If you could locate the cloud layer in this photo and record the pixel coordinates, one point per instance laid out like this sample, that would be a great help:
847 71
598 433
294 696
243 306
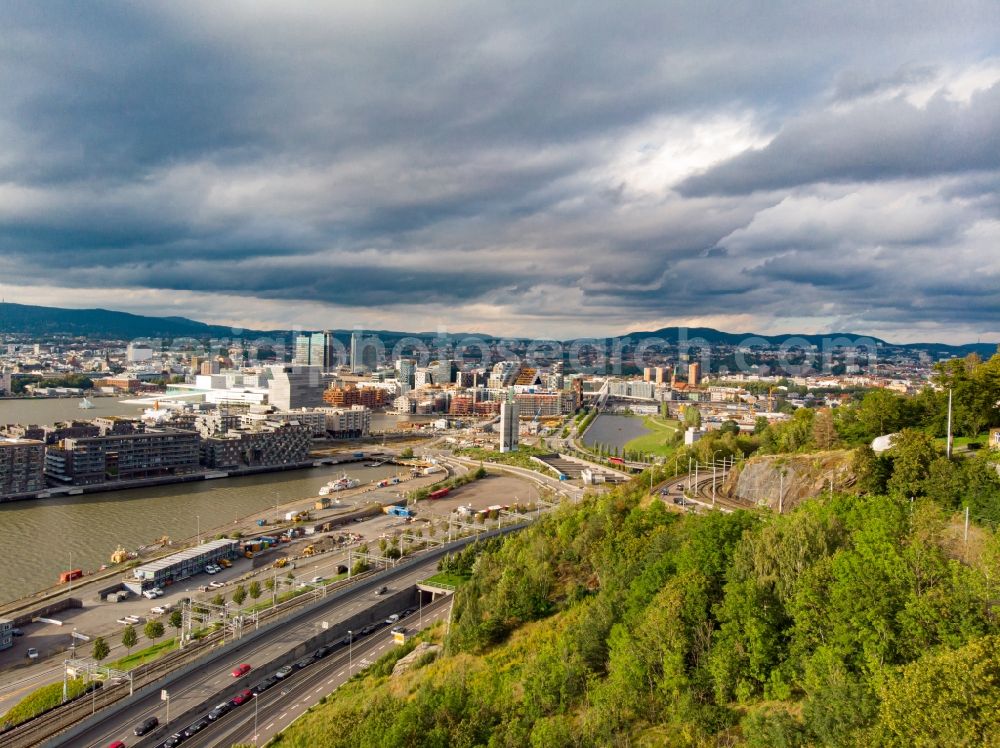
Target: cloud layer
507 167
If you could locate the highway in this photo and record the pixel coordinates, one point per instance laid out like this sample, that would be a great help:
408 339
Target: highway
200 686
282 704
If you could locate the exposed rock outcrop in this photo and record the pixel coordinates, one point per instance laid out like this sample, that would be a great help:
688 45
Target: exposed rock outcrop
405 663
789 479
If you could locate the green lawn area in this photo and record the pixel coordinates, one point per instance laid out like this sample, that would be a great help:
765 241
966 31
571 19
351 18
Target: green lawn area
142 656
660 439
963 442
447 578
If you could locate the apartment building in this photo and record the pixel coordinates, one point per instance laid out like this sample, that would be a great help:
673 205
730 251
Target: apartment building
123 456
22 463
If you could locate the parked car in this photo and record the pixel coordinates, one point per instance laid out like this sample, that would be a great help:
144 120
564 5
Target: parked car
241 697
32 653
226 562
123 621
240 670
147 725
392 619
219 710
149 594
284 672
305 662
322 652
215 584
16 632
210 570
135 619
159 610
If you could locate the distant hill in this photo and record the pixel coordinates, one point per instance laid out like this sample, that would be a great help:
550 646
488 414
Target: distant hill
27 319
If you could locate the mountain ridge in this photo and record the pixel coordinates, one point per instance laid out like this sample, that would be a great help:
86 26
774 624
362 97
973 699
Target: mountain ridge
31 319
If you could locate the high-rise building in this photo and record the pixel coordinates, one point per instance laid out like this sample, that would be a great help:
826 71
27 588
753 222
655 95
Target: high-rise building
406 368
694 373
357 366
137 352
509 414
6 382
661 374
647 374
316 349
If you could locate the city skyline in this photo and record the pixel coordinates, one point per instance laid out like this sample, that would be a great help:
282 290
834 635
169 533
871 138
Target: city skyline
517 171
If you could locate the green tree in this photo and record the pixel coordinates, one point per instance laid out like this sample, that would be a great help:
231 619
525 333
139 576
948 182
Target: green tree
407 453
218 599
729 427
947 697
824 434
254 590
176 620
912 454
871 470
129 638
879 412
153 630
692 416
239 594
101 649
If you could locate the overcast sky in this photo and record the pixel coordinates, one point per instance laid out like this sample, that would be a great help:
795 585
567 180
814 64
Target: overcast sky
541 169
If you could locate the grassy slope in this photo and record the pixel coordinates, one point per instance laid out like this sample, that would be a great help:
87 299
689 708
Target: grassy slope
612 623
660 440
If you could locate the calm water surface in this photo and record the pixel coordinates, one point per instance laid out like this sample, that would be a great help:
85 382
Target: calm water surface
47 536
614 430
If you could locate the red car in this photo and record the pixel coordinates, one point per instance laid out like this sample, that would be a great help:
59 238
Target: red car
240 670
241 697
117 744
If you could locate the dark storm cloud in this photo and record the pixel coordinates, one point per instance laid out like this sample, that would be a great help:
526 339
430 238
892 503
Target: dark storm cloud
883 140
648 161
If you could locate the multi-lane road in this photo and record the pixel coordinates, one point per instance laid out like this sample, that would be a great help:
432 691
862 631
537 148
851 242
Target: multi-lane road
203 684
264 716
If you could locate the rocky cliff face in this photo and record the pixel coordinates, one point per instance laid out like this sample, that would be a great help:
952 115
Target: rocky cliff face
787 480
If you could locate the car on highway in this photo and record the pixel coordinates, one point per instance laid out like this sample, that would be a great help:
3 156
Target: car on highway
398 630
381 590
32 653
174 740
392 619
195 727
219 710
116 744
241 698
305 662
318 580
284 672
265 684
240 670
147 725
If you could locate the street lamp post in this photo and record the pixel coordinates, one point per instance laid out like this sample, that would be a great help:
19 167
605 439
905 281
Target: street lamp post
255 719
198 520
713 474
350 653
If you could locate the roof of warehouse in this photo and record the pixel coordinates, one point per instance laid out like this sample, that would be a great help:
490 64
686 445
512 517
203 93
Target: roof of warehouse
174 558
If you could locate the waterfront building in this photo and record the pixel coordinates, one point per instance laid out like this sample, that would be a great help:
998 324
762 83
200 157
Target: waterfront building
181 565
6 633
347 423
294 387
270 444
122 454
22 467
509 426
